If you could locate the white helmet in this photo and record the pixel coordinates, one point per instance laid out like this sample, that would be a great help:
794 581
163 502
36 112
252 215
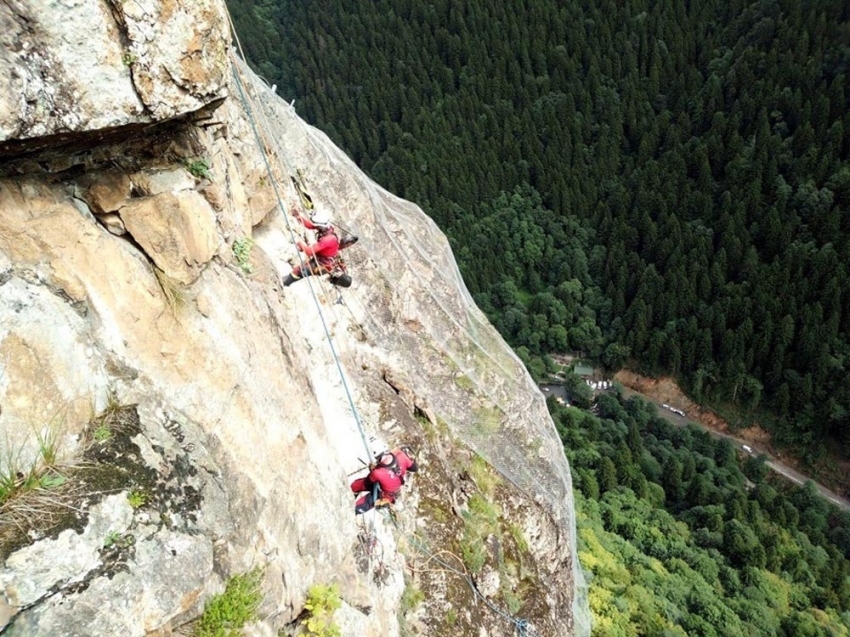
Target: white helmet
320 218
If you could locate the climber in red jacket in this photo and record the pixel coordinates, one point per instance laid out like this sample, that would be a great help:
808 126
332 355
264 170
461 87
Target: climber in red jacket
387 474
319 257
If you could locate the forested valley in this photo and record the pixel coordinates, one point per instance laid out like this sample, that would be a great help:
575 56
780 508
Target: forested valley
666 186
680 537
667 183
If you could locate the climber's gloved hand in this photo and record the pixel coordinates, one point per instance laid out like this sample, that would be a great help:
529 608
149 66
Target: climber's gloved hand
301 245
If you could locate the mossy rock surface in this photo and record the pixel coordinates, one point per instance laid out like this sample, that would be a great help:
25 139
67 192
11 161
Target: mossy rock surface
107 466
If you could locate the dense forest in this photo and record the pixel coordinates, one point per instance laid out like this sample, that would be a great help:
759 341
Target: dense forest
679 536
667 183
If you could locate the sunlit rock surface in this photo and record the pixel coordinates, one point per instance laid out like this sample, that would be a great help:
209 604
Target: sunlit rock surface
233 427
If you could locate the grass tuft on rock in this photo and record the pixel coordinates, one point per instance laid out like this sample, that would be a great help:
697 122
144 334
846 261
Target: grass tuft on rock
225 614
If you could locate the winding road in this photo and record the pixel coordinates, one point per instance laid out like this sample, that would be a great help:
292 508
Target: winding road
747 447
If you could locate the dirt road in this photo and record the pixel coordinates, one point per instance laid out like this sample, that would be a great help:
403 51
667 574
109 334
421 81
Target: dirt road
747 446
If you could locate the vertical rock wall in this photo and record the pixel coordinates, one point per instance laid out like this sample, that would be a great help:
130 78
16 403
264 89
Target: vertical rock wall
235 411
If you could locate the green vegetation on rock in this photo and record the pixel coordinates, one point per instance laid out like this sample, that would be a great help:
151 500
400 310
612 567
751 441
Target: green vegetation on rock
225 614
322 602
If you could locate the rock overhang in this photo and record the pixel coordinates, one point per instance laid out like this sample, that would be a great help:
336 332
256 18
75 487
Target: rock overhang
83 66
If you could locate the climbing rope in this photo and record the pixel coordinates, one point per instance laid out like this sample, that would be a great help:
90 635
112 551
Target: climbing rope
250 114
288 165
295 174
250 110
295 185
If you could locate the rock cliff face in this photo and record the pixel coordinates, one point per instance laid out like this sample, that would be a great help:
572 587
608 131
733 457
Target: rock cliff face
171 416
69 66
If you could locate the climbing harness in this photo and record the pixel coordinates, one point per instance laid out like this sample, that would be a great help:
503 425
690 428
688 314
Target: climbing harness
335 267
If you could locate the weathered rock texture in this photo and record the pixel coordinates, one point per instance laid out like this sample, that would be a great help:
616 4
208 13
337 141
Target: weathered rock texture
201 420
83 65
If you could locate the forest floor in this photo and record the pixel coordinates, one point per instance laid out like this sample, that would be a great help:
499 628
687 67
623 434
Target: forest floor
832 473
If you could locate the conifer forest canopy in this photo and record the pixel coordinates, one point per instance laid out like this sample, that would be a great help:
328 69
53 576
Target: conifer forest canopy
664 184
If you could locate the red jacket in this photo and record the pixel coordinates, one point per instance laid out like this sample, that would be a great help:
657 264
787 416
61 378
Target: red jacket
405 462
327 243
388 480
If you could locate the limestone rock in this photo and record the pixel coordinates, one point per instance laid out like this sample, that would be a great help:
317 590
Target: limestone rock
6 612
154 182
107 192
56 66
488 582
176 230
177 52
129 571
113 223
33 572
134 602
65 68
214 194
261 203
43 344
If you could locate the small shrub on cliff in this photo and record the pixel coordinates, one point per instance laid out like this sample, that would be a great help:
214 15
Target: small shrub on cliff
48 442
175 297
102 433
483 476
322 602
18 476
199 168
137 498
225 614
103 425
479 521
111 539
12 479
242 252
518 535
411 597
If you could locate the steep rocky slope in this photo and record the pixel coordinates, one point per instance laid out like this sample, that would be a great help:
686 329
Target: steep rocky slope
171 416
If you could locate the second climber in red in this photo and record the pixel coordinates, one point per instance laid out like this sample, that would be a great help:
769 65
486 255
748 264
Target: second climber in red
386 476
320 257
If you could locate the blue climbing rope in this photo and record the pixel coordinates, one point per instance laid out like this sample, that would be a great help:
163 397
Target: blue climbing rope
273 181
